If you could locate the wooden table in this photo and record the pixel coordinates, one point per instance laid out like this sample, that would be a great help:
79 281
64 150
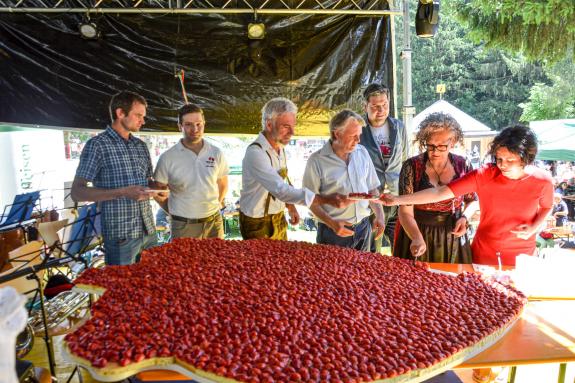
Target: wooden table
545 333
560 232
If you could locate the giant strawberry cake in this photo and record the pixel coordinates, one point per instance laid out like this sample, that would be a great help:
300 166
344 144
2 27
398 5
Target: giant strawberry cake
275 311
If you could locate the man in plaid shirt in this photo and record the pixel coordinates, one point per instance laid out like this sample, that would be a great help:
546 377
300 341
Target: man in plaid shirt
118 166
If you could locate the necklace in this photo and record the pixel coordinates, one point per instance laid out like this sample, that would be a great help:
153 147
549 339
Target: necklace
438 174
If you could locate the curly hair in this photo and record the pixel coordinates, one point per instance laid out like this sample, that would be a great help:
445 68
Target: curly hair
436 122
518 139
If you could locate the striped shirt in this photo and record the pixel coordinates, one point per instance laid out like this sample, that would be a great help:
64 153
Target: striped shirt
110 162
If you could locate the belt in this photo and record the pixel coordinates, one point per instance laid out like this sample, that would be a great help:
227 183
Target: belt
353 226
196 220
360 222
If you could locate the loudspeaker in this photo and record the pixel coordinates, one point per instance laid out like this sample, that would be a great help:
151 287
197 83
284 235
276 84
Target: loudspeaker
427 18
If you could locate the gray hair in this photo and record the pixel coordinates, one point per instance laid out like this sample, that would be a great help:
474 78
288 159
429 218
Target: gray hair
275 107
338 121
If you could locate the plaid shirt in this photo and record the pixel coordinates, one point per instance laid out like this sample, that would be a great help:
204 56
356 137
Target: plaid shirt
110 162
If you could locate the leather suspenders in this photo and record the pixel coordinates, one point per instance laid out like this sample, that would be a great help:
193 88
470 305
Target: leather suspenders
283 173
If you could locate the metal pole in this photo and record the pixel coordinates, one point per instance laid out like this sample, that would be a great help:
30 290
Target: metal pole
408 109
393 64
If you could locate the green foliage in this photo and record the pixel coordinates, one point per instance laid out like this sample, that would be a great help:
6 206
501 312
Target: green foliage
486 84
539 29
555 101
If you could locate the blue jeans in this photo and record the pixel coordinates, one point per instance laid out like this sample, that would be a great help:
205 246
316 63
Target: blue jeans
127 251
360 240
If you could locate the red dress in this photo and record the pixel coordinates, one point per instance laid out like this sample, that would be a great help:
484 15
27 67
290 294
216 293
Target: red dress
504 204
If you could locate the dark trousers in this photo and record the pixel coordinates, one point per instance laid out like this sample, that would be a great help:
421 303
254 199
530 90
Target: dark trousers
360 240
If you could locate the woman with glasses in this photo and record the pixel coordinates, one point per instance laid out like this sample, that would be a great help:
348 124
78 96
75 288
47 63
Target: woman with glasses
435 232
514 197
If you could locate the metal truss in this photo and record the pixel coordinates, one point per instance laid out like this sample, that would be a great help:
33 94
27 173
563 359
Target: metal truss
374 8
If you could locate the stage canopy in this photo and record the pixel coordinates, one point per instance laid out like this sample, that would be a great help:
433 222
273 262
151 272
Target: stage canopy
51 76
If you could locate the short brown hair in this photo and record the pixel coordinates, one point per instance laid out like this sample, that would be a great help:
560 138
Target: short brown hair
187 109
124 100
375 89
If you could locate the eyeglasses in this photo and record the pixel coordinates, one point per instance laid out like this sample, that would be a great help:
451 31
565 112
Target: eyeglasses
433 148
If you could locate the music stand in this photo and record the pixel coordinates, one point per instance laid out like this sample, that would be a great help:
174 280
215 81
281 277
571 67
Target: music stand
82 231
20 211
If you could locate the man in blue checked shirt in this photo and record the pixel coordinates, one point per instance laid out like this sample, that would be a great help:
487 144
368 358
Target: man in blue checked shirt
118 166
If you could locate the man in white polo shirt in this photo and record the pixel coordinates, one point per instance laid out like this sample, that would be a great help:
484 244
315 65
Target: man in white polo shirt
342 166
196 173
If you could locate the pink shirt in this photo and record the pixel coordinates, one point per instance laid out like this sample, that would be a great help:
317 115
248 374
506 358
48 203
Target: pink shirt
504 204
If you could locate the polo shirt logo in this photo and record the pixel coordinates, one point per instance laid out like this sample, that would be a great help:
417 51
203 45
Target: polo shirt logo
210 162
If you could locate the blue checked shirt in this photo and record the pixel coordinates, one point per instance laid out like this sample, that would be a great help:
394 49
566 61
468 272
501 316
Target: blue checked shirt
110 162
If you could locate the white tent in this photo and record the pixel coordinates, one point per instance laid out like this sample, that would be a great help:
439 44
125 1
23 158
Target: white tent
556 139
470 126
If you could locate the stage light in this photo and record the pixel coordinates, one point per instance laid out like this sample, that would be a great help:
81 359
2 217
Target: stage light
427 18
89 30
256 31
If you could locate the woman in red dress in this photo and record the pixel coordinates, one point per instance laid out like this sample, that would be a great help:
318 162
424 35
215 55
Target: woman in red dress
514 198
435 232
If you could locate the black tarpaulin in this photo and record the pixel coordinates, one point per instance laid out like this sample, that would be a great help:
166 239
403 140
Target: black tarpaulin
51 76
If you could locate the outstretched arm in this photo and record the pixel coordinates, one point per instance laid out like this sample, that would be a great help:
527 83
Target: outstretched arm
436 194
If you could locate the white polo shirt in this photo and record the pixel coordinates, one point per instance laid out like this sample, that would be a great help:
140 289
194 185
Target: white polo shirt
326 173
192 179
260 176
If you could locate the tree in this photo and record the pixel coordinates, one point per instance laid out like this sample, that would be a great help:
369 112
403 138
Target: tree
555 101
486 84
539 29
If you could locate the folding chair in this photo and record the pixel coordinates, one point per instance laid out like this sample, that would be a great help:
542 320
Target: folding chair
25 256
49 231
20 211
